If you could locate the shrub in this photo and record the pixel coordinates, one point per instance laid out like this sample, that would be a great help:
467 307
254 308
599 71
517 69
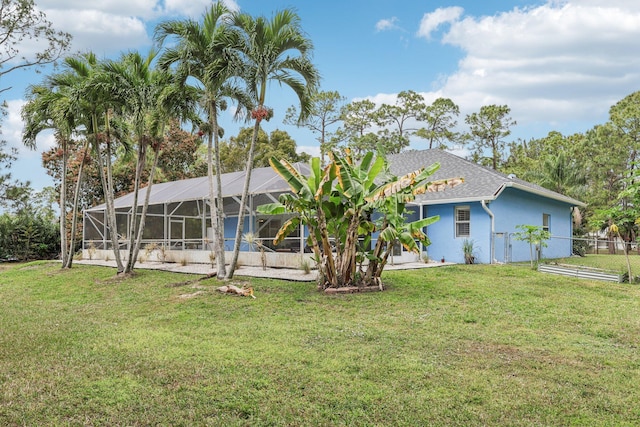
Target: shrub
305 265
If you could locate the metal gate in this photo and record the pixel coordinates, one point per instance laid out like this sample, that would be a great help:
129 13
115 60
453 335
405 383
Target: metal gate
501 253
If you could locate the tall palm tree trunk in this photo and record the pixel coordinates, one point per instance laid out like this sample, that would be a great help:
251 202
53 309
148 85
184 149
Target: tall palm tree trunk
134 223
215 194
143 215
219 205
111 216
65 252
243 201
213 212
107 185
76 201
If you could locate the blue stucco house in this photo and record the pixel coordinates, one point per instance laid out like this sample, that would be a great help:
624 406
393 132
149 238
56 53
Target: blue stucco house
485 209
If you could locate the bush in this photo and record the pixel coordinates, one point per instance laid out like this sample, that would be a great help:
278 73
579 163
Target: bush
28 237
580 247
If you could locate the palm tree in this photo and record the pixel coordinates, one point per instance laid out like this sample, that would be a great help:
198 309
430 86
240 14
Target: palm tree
199 55
560 174
148 101
269 50
97 99
54 104
50 108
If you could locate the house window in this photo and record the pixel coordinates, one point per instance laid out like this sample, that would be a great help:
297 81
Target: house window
546 222
463 221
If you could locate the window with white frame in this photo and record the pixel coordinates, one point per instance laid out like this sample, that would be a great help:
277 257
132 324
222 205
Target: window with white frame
546 222
463 221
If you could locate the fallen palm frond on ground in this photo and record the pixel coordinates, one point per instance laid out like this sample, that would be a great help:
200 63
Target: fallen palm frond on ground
234 290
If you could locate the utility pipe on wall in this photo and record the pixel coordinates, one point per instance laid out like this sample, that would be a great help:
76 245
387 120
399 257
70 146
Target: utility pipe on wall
491 237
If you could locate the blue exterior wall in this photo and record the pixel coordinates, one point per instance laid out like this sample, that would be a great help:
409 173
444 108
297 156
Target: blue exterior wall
513 207
442 234
230 225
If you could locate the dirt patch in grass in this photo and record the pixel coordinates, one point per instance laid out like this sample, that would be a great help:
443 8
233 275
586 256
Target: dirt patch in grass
191 295
516 356
113 280
179 284
352 290
32 267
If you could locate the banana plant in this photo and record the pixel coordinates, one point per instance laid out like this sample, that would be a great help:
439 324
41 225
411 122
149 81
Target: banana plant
337 203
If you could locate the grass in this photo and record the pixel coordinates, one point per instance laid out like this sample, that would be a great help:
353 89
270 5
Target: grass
457 345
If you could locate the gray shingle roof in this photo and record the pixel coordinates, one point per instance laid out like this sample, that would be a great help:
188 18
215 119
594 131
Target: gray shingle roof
481 183
263 180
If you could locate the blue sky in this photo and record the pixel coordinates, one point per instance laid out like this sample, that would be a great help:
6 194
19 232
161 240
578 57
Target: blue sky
559 65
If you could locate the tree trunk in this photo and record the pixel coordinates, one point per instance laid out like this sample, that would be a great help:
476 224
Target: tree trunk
243 201
65 252
346 271
383 263
215 194
212 203
372 268
76 201
133 223
143 214
612 245
330 277
107 185
627 248
531 253
495 154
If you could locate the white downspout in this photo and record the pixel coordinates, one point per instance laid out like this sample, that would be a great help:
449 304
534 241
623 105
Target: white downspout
493 223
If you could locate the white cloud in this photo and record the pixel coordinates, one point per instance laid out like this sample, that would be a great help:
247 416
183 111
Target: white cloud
101 32
111 26
12 124
313 150
630 5
380 98
391 98
139 8
193 8
387 24
26 167
12 127
431 21
142 9
559 61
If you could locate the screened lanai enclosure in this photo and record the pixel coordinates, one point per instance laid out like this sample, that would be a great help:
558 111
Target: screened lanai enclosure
178 221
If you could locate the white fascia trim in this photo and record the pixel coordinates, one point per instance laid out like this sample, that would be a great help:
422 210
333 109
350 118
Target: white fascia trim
454 201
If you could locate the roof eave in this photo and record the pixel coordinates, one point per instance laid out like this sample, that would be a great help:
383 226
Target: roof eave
548 194
457 200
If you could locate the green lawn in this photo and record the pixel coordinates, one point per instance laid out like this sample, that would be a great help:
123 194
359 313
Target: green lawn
457 345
